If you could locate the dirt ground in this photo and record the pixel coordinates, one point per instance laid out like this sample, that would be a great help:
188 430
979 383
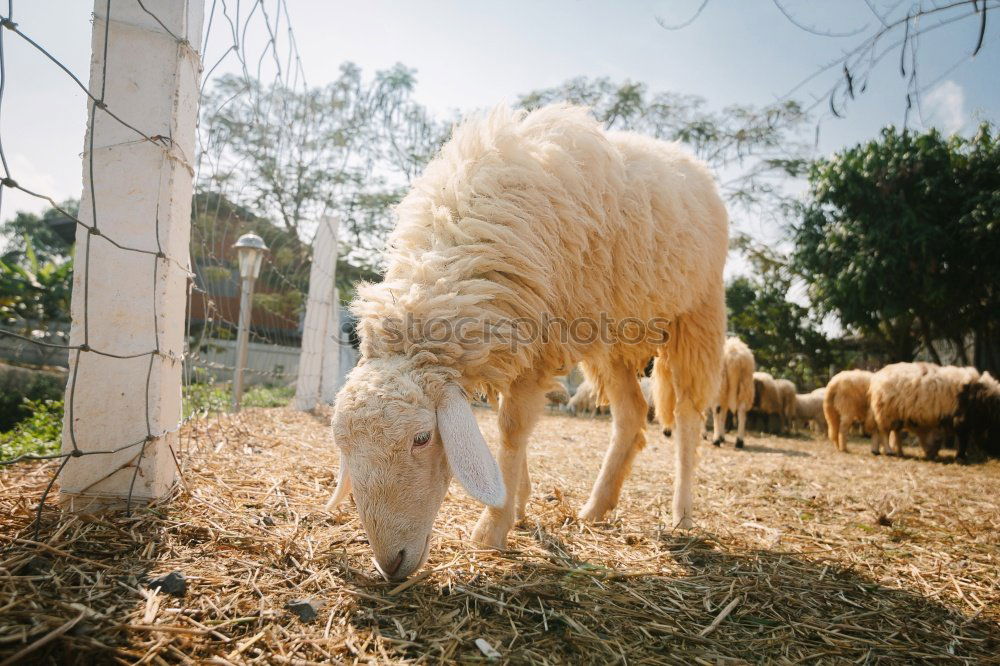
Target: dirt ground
800 554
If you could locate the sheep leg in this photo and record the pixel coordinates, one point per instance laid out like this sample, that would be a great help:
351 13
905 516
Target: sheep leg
523 491
930 442
663 394
877 438
518 412
895 445
741 425
718 425
628 415
696 359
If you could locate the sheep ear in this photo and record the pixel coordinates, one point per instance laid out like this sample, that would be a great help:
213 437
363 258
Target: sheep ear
468 455
343 486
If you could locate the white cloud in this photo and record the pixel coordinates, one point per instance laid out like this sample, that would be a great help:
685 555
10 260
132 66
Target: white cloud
944 107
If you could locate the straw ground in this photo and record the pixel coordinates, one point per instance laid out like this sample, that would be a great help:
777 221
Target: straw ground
801 554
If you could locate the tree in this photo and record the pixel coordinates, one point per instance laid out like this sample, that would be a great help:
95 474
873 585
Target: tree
900 239
785 338
28 228
755 144
293 155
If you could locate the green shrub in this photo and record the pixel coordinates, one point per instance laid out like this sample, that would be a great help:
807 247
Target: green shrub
20 384
40 433
205 399
268 396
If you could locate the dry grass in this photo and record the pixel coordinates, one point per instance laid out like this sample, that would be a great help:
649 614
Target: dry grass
801 554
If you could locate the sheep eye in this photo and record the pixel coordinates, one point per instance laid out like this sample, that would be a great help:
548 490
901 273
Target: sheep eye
421 438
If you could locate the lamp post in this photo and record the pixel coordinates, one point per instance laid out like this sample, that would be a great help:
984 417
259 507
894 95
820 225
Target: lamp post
250 249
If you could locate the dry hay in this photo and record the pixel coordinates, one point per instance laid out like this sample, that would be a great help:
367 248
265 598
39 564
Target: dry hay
801 553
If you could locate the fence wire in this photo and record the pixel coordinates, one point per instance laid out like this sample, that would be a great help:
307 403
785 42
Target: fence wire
233 32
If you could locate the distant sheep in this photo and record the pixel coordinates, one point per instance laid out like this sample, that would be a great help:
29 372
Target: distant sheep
786 396
766 399
846 403
529 217
978 421
584 400
646 384
557 395
809 409
919 397
736 392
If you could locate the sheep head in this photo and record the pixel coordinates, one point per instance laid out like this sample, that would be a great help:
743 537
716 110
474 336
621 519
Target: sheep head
403 431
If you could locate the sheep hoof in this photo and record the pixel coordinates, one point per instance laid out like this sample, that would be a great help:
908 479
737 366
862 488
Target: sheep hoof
666 432
591 513
489 535
739 442
876 452
717 441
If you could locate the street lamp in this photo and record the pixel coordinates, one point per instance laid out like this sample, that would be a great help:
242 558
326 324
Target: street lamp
250 249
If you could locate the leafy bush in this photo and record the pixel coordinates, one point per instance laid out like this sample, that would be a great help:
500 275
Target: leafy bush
205 399
268 396
20 387
40 433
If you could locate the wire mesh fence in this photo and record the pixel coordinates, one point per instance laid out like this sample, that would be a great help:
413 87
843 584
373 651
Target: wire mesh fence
185 287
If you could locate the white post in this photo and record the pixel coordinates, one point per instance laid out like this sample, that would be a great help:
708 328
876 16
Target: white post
329 384
136 193
319 316
242 339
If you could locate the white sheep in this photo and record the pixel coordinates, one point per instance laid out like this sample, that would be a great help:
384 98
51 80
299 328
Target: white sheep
557 394
786 398
646 384
736 391
766 399
919 397
809 409
846 403
584 400
523 229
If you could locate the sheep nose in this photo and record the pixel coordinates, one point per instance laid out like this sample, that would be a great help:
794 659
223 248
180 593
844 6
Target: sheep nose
389 569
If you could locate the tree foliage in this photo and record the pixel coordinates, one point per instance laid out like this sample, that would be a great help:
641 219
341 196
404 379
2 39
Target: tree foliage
36 276
786 339
755 146
900 239
295 155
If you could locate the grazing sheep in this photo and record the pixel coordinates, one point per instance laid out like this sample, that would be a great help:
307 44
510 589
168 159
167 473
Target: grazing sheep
786 396
646 384
522 221
766 399
584 400
557 395
919 397
736 392
809 409
846 403
977 423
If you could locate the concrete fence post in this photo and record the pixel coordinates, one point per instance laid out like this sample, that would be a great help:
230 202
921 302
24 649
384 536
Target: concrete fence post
137 193
329 384
320 320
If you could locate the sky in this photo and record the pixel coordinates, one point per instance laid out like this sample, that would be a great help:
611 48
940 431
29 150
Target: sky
476 54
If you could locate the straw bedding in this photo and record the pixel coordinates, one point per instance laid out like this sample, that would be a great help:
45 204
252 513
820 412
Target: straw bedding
800 554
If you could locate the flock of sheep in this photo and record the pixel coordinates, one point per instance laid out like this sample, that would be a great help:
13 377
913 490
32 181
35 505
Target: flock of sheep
527 218
940 406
